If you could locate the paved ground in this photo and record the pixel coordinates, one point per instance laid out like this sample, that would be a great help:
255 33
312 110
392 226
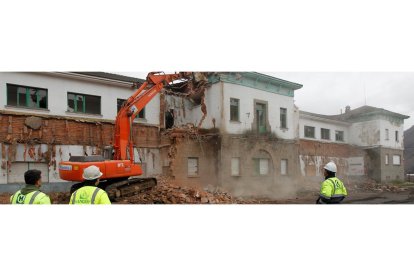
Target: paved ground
356 196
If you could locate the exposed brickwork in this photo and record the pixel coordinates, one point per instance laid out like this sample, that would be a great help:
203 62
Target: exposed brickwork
314 155
249 183
307 147
207 153
70 132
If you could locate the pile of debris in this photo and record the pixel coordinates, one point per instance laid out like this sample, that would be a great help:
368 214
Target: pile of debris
182 131
374 186
165 193
5 198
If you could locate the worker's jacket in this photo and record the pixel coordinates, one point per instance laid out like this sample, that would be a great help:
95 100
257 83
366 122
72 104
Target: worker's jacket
29 195
332 190
89 195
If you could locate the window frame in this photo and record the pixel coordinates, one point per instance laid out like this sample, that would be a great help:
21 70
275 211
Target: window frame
387 159
231 166
197 174
309 127
399 159
387 134
329 134
76 95
257 167
238 110
138 117
397 138
286 167
261 106
336 135
27 96
283 118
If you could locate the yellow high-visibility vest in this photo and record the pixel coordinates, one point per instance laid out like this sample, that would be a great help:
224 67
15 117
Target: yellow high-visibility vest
333 187
89 195
35 197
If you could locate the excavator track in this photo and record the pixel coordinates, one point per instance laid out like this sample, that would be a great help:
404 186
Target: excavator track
128 187
123 187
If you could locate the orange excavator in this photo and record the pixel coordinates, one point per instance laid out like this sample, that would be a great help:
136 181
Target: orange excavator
120 171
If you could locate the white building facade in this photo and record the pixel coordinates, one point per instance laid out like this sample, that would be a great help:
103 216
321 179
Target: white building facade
92 97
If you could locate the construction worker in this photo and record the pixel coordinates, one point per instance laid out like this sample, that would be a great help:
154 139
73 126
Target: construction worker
332 190
31 194
89 193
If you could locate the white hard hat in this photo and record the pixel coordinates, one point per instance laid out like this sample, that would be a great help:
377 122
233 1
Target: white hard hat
91 173
330 167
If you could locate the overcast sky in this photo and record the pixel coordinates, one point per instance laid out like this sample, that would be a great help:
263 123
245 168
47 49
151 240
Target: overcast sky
328 93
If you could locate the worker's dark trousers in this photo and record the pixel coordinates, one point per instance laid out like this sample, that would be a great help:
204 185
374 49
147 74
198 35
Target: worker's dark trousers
333 200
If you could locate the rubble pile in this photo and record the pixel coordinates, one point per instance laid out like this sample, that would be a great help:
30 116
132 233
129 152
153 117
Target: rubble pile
374 186
181 131
59 198
165 193
5 198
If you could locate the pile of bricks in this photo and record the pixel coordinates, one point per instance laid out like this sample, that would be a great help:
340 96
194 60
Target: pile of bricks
374 186
165 193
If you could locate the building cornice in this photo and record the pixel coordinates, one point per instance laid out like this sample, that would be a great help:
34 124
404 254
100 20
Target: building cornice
91 78
257 81
322 119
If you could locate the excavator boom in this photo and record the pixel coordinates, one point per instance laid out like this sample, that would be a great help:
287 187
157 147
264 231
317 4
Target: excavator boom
118 171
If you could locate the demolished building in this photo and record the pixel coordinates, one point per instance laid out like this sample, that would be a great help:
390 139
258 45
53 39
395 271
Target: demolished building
233 131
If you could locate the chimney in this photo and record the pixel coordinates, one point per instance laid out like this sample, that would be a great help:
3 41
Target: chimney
347 109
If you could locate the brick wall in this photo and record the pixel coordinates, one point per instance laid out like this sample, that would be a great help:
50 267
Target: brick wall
61 131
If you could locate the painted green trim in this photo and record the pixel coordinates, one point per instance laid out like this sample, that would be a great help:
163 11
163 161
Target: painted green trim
257 81
75 101
83 104
37 98
27 97
376 116
17 100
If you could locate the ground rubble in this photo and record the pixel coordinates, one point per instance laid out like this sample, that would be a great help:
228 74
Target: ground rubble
372 185
166 193
163 193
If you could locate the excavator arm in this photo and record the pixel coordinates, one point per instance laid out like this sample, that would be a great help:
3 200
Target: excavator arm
120 174
123 140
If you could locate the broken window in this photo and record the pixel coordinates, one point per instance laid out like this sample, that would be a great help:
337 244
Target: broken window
387 134
309 132
84 103
397 139
24 96
261 166
396 160
339 135
283 117
283 166
386 159
234 110
120 102
192 166
235 166
325 134
169 118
